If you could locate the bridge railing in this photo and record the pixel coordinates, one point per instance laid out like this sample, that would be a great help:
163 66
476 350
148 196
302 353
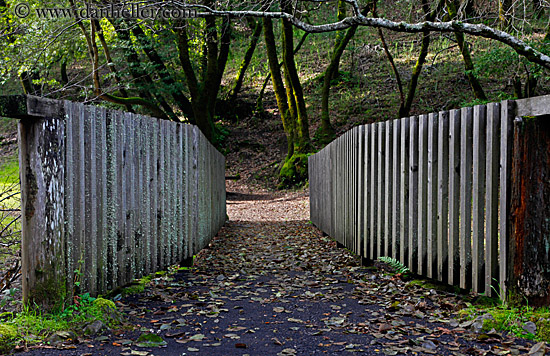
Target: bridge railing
109 196
432 191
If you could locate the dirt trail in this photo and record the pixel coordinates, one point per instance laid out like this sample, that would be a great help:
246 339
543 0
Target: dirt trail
271 284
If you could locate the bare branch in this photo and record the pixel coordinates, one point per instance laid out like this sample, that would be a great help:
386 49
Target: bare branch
479 30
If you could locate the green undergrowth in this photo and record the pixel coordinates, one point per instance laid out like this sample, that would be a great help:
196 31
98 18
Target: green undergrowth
490 313
522 321
32 326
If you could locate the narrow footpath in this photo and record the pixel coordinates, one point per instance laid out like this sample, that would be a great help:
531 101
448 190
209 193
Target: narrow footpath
271 284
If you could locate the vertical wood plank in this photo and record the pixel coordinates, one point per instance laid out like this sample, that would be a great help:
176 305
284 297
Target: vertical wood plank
413 194
404 230
70 199
180 224
101 189
141 187
443 197
454 196
396 201
156 246
374 191
80 262
147 196
491 200
380 194
161 228
506 121
129 125
388 182
367 190
42 211
90 200
121 198
112 192
431 243
422 192
465 242
360 208
478 202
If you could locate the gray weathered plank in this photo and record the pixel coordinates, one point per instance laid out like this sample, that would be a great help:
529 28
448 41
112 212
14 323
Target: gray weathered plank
506 123
478 199
404 231
373 192
388 182
491 198
367 190
431 230
454 196
443 196
465 238
380 193
422 192
396 202
413 194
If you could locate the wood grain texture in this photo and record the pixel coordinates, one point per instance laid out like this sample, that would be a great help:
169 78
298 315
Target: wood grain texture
109 196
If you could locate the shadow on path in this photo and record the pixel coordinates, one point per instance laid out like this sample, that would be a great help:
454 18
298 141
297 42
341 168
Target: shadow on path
281 288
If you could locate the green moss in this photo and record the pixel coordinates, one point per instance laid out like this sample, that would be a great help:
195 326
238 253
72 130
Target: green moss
104 303
133 289
294 171
543 329
8 334
501 318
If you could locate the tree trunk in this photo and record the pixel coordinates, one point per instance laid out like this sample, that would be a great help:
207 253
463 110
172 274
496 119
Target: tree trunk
405 108
246 60
529 246
465 50
204 93
326 133
278 86
340 35
303 141
259 101
179 98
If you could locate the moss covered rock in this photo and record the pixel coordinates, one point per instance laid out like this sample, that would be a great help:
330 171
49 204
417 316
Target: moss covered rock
103 303
294 171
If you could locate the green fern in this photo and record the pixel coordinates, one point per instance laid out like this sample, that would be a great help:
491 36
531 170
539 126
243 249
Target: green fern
397 266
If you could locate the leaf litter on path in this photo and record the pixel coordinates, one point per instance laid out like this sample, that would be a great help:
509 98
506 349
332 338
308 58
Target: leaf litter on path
271 284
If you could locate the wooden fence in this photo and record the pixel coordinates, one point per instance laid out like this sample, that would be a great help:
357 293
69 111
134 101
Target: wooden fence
432 191
109 196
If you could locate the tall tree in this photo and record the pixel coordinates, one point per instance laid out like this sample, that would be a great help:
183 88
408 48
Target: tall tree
466 56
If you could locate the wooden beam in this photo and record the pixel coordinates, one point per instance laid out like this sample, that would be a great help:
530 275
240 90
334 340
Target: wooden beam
29 106
536 106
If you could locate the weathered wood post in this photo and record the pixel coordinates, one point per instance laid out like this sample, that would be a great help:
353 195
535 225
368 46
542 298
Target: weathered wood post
529 220
41 162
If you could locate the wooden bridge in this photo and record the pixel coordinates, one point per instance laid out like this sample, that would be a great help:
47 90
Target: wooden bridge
462 196
109 196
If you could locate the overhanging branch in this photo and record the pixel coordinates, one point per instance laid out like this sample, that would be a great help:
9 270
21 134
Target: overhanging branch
480 30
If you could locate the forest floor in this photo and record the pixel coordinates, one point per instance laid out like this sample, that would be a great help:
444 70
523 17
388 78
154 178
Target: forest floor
271 284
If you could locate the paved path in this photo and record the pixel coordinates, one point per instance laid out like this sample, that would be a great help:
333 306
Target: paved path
271 284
